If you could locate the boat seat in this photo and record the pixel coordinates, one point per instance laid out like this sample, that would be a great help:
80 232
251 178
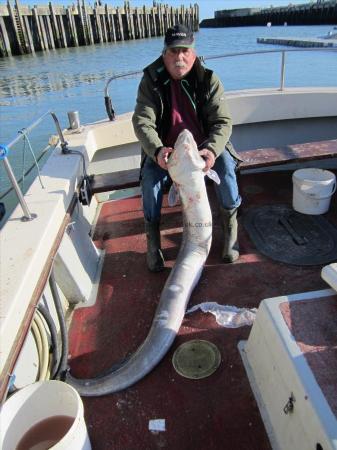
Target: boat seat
274 156
252 159
122 179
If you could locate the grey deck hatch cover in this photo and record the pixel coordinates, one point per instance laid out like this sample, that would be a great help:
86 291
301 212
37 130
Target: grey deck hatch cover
288 236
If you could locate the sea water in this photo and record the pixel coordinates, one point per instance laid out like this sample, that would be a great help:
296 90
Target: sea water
73 79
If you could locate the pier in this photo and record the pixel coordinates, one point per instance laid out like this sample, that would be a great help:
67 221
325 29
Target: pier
298 42
42 28
322 12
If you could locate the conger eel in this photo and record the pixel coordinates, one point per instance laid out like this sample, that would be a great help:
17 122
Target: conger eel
185 167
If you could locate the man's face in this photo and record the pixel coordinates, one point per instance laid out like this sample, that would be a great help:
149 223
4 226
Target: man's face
179 61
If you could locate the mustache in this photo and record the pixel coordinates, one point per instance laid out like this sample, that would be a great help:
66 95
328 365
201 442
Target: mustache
180 64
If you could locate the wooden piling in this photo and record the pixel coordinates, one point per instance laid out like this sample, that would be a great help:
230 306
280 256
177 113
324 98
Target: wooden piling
138 23
103 25
177 19
88 23
50 33
28 35
195 13
160 20
43 32
129 31
112 28
146 23
153 22
133 25
55 28
5 44
182 15
72 28
107 24
120 24
99 37
138 28
171 22
38 30
62 31
83 28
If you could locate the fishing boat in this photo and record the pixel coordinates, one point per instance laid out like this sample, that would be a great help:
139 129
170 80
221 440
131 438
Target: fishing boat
253 363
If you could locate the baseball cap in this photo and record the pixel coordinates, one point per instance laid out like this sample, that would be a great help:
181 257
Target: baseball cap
179 36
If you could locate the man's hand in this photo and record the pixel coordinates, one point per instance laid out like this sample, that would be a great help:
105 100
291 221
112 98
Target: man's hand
163 155
209 158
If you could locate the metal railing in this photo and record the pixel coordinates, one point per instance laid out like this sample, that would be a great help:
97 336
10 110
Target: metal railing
108 103
4 149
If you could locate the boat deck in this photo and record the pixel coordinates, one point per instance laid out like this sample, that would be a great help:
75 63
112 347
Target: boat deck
216 412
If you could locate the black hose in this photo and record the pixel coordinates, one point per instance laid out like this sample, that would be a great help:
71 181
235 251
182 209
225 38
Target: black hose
109 109
53 335
2 210
63 365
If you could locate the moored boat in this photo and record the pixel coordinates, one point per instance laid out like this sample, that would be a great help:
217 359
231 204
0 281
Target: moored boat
92 257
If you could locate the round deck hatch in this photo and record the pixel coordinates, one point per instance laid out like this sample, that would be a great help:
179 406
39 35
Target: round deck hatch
196 359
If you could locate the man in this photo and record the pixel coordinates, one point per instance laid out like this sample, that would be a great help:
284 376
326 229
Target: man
177 92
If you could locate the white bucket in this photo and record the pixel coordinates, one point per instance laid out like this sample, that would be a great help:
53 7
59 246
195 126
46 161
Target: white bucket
312 190
38 402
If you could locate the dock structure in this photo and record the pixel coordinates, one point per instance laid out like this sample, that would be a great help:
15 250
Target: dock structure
42 28
298 42
314 13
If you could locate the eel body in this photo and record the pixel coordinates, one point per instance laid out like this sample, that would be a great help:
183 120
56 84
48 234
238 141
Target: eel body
185 167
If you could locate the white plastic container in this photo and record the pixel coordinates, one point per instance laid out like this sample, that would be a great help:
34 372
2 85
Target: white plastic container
312 190
40 401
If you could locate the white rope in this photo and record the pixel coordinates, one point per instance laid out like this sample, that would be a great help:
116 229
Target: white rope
26 139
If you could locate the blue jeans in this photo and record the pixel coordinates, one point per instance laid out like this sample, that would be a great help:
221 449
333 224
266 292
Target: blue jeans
154 179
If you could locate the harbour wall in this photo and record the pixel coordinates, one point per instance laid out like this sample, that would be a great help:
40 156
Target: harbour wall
318 13
42 28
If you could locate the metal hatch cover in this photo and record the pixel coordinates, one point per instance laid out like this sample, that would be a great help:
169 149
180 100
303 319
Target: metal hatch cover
196 359
288 236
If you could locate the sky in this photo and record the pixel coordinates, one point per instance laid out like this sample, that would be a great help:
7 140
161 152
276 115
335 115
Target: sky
206 7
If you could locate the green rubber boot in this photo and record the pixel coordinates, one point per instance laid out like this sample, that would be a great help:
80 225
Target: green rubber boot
154 256
230 252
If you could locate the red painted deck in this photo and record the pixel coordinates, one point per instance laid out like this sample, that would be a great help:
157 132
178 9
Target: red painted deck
218 412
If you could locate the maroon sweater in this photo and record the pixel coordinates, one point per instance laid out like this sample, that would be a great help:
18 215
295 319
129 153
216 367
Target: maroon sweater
183 115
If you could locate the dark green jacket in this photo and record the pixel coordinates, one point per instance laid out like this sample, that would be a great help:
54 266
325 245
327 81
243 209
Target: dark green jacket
152 115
